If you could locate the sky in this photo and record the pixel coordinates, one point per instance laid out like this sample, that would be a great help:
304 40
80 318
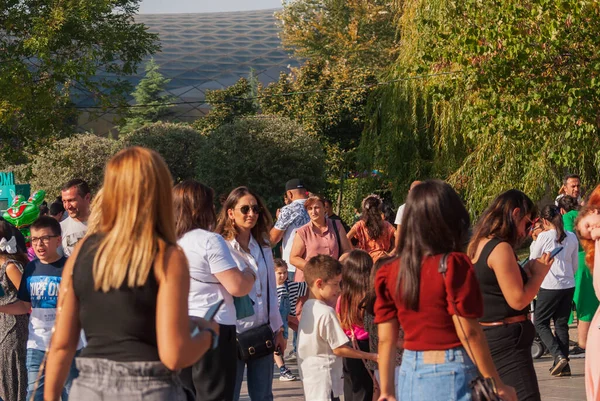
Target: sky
204 6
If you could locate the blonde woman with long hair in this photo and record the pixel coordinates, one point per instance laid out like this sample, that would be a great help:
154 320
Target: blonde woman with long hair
126 286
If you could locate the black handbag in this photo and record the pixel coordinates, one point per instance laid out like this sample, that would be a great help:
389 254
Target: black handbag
258 341
482 389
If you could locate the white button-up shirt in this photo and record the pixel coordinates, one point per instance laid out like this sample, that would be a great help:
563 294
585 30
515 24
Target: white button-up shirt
264 268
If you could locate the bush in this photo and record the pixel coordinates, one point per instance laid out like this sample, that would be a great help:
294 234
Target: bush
80 156
178 144
261 153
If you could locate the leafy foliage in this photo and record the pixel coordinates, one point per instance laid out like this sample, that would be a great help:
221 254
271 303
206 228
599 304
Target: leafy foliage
81 156
515 108
355 32
230 103
262 153
180 146
51 49
151 104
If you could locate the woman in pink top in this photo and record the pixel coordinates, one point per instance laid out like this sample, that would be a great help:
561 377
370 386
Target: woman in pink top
318 237
374 234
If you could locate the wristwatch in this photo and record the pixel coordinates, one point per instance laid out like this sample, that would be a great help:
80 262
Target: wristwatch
214 338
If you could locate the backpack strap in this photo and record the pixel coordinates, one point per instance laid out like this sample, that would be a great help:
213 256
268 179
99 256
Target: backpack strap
337 237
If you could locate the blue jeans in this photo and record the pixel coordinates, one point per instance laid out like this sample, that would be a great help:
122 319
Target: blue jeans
260 378
426 378
33 362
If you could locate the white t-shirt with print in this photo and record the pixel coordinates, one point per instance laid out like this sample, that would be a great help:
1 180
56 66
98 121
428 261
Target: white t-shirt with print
72 232
319 333
399 215
207 254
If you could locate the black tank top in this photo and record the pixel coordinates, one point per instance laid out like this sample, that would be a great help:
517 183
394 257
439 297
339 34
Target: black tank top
495 307
120 325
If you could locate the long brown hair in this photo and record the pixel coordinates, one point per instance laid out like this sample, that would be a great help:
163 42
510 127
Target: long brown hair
372 207
497 220
225 225
193 203
136 218
435 222
355 278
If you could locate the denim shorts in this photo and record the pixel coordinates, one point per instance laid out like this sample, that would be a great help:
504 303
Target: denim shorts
102 379
443 377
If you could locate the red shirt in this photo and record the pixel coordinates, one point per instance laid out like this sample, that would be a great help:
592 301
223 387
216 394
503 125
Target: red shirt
431 326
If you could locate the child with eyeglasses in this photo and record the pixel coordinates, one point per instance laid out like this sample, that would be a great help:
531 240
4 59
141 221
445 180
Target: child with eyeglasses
38 293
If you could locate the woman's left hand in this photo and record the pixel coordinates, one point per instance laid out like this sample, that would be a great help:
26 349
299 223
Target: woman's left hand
279 341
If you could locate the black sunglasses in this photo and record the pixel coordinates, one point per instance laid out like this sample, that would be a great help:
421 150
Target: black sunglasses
246 209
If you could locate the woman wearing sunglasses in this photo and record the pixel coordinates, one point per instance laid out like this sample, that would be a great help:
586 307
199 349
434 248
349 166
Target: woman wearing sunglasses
244 222
508 289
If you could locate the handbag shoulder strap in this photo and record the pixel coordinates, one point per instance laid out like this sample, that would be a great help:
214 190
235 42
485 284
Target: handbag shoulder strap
442 268
262 252
337 237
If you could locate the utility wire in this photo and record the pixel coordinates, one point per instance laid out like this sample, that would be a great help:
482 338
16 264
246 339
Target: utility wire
274 95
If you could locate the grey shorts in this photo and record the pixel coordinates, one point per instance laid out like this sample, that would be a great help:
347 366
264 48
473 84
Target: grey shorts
102 379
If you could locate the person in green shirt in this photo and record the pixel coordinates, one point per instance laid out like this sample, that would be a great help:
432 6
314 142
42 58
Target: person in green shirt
585 299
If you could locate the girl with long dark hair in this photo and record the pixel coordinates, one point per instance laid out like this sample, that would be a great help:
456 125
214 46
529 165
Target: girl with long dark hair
214 277
507 289
438 312
374 234
244 222
358 385
556 292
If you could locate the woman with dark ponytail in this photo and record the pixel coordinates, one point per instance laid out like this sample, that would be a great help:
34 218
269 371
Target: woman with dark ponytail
556 292
375 235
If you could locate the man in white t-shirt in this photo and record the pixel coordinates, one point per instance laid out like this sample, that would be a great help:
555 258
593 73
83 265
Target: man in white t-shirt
398 220
291 218
76 199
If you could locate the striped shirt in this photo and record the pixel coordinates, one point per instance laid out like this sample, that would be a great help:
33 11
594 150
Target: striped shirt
294 290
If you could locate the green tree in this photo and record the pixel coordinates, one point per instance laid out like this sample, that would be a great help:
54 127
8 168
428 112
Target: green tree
52 50
230 103
510 98
262 152
180 146
355 32
151 103
80 156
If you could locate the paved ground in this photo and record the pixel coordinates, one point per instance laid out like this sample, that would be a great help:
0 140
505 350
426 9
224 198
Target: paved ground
552 388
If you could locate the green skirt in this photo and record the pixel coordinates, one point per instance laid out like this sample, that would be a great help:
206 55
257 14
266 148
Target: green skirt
584 297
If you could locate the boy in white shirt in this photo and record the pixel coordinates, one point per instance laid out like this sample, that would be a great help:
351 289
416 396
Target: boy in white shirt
321 340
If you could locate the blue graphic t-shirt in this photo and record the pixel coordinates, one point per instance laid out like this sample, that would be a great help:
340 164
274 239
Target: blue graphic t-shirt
39 286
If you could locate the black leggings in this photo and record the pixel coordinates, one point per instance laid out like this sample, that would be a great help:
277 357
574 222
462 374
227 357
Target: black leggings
510 346
358 385
212 378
